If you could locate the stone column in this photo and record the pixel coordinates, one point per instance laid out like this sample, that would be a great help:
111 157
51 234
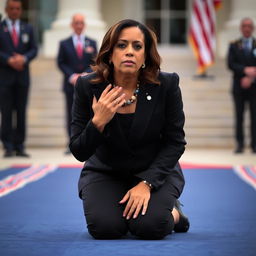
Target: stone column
2 8
239 9
61 29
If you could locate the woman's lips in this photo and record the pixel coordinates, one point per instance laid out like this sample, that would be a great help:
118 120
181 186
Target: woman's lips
128 63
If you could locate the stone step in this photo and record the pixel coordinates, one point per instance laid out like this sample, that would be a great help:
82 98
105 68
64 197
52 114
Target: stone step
51 142
207 104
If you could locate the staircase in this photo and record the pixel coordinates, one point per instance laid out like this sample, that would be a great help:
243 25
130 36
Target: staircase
207 103
46 114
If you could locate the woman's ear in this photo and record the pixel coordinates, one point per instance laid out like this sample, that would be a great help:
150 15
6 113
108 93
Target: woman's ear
110 59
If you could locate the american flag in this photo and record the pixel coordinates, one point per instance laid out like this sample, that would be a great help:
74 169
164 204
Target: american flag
202 32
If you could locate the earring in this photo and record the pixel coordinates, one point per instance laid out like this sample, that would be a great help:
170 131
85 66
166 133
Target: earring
143 65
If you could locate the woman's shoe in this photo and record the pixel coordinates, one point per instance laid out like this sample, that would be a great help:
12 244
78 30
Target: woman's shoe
183 224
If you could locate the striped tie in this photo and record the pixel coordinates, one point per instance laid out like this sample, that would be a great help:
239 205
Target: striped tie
79 48
15 38
246 46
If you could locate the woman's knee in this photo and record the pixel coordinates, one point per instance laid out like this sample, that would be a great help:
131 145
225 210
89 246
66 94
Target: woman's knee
106 229
149 227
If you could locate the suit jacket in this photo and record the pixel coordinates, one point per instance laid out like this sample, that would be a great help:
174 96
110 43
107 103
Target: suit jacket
154 146
238 59
69 63
27 47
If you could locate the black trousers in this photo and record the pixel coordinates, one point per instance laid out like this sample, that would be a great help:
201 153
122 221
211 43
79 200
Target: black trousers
69 102
240 101
14 100
103 212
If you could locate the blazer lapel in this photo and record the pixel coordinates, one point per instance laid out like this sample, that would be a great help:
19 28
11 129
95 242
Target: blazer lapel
146 102
7 32
71 46
254 46
23 36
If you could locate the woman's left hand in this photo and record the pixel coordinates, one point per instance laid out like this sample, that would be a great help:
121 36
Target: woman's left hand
137 200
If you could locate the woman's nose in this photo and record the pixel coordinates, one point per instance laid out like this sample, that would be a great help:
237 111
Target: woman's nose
129 51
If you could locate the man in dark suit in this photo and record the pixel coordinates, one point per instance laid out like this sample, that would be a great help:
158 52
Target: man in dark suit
76 54
242 62
17 49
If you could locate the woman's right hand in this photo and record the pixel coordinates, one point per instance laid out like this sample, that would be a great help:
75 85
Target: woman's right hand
105 108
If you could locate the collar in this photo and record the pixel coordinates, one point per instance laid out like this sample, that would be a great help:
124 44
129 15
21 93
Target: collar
75 38
10 24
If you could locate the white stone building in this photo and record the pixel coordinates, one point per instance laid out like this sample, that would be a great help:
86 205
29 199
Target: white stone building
170 18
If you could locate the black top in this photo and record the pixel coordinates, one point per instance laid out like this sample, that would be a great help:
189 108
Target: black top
125 121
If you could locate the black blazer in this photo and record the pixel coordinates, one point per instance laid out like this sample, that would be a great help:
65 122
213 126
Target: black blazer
238 60
69 63
27 47
156 140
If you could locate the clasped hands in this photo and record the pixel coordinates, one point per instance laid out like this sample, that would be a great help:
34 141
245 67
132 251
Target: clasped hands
247 80
17 61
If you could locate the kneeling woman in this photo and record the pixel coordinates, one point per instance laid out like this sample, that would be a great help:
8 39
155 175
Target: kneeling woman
128 126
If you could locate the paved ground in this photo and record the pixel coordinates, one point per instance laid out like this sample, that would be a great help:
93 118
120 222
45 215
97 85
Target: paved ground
198 156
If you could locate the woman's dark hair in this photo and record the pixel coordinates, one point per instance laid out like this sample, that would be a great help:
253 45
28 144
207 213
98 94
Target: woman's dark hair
103 67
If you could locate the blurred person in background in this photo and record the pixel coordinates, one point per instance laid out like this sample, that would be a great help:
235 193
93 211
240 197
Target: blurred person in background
76 54
242 62
17 49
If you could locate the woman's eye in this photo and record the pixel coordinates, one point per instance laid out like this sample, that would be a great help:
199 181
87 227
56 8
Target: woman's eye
121 45
137 47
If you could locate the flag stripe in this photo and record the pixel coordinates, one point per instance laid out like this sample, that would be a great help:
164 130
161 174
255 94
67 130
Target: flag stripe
196 47
202 32
247 174
17 181
205 28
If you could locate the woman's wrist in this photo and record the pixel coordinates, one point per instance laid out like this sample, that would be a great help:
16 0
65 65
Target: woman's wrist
148 184
97 124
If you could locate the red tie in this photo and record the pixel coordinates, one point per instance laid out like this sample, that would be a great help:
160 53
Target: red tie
15 38
79 48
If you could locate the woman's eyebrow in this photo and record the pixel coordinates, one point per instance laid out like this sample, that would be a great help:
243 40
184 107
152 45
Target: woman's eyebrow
126 41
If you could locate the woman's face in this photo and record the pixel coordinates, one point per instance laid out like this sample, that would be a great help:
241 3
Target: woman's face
129 51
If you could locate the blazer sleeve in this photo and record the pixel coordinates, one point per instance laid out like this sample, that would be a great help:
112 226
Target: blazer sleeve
93 56
4 57
85 137
173 138
233 62
61 61
32 51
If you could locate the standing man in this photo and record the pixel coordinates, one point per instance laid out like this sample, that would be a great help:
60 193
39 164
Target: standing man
76 54
17 49
242 62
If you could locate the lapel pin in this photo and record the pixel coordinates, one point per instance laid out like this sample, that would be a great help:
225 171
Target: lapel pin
149 97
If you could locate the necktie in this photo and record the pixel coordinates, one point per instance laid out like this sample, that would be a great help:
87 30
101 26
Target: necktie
15 38
79 48
247 47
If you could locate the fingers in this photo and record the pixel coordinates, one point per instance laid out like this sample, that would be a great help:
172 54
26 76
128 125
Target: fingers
133 208
111 95
145 207
107 89
94 101
137 210
125 198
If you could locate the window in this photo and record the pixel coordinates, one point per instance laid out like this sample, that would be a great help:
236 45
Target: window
168 18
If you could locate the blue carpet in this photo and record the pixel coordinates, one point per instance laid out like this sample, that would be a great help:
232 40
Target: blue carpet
46 218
